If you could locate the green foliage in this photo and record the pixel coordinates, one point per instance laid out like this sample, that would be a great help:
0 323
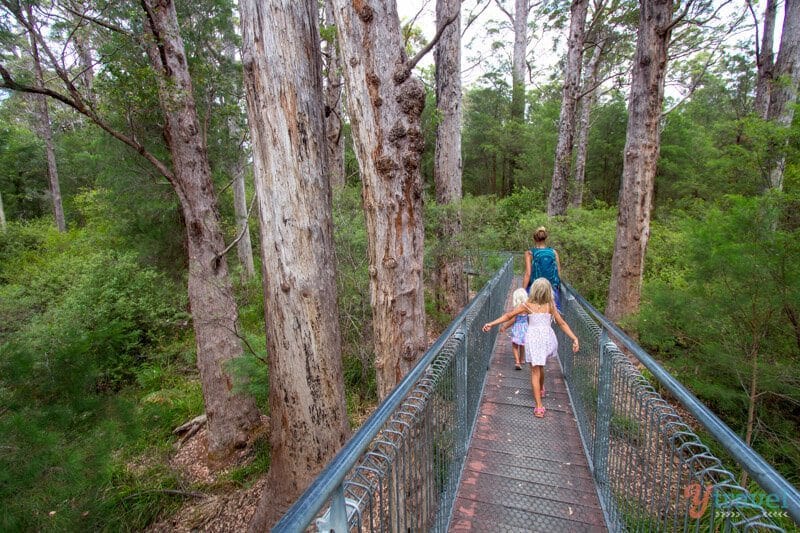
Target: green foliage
725 308
83 325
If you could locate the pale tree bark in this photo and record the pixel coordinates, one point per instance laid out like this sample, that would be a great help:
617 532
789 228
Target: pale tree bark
765 60
333 107
2 215
46 133
384 102
451 286
519 69
231 416
559 189
83 47
244 246
283 82
238 166
642 146
587 102
519 66
783 90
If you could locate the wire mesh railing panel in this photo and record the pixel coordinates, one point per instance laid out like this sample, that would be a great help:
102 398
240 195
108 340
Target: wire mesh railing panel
400 471
652 471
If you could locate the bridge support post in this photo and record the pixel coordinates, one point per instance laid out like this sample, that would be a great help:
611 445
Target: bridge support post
604 409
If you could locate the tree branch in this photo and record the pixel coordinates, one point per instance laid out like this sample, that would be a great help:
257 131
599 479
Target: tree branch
241 234
9 83
105 24
504 10
413 63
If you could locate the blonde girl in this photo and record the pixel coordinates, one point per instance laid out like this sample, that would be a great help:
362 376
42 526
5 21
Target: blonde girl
540 339
518 327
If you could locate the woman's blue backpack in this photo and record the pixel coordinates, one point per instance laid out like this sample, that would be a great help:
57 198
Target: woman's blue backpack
544 265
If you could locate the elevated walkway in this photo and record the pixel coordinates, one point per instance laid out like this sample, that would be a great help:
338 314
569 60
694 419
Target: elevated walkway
455 447
524 473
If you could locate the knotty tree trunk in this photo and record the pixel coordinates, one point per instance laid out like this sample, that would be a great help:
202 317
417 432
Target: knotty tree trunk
384 102
588 100
231 417
283 82
642 145
333 107
559 190
765 60
46 133
451 287
783 91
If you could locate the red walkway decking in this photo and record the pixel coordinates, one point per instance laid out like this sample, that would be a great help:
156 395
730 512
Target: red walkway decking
524 473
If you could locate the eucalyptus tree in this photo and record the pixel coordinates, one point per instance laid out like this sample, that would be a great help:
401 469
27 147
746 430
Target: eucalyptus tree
152 28
385 102
765 56
283 81
519 70
783 90
334 110
559 189
588 99
645 102
700 26
451 287
44 127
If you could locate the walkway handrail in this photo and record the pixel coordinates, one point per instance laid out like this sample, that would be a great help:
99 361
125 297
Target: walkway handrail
329 484
761 471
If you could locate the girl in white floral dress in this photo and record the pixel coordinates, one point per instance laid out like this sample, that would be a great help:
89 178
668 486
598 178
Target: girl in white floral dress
540 339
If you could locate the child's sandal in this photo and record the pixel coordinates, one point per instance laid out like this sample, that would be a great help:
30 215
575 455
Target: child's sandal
539 412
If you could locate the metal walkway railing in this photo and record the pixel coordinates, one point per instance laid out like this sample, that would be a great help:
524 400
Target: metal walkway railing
652 470
401 470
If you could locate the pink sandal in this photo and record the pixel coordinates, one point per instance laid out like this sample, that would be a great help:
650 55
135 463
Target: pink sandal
538 412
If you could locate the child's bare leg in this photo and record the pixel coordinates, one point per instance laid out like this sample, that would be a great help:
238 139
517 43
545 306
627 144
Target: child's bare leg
536 372
541 379
515 348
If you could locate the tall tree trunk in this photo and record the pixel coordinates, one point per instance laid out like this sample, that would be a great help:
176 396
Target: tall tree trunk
2 215
84 49
783 92
588 101
238 166
231 416
333 107
46 133
519 66
765 60
559 190
385 103
283 80
451 287
244 246
519 69
642 145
